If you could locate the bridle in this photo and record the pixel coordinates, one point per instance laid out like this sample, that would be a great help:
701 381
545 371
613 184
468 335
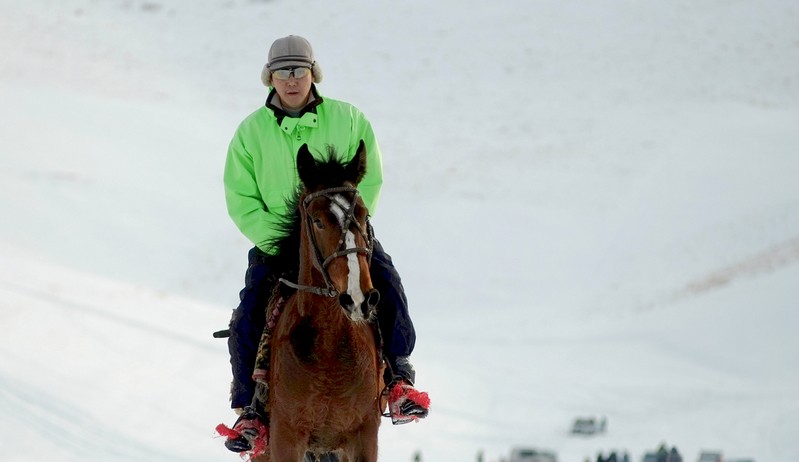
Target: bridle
321 263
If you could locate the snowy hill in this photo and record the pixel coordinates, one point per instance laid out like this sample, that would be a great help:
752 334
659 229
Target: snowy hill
594 208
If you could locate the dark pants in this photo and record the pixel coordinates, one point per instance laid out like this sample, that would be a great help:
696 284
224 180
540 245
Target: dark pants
249 319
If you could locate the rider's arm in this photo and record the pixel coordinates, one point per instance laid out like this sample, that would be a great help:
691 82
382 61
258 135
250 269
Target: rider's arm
373 180
244 202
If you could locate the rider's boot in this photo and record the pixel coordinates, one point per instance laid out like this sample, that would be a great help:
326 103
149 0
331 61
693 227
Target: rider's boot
405 403
250 433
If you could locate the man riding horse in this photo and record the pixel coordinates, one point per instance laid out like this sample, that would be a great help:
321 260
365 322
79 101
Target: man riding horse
260 175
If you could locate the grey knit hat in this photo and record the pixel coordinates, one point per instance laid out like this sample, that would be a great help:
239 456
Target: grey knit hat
291 51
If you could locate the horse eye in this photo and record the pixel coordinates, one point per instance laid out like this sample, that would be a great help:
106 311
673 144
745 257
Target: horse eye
318 223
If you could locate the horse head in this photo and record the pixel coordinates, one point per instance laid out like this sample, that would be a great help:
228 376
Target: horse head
336 234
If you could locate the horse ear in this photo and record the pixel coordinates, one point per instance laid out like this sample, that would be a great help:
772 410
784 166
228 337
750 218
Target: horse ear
356 169
306 166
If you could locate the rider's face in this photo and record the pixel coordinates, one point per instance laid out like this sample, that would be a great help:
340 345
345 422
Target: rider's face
293 92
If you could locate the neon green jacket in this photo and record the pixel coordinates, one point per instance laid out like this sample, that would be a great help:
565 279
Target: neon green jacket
261 167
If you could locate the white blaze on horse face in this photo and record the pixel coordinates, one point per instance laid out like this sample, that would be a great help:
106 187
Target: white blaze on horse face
339 207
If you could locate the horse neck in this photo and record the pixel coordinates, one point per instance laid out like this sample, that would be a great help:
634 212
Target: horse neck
309 275
323 311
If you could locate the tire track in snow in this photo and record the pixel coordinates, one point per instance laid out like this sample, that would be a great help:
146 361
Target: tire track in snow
779 256
63 303
767 261
65 427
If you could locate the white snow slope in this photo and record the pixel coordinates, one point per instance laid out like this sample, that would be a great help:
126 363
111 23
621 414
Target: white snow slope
594 207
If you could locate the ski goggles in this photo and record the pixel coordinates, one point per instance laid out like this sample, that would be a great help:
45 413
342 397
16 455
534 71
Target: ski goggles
296 72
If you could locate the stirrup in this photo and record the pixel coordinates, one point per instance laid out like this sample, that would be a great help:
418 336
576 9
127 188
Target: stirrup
405 403
249 435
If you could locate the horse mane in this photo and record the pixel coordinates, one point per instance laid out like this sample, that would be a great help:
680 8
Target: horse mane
284 257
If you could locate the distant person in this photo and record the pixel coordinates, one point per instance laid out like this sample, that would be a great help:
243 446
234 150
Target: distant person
662 453
674 455
260 176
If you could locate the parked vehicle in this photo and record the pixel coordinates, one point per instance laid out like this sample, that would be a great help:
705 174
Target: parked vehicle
710 456
532 455
650 457
589 426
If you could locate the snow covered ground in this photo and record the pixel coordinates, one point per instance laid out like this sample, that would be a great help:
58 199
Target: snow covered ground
594 207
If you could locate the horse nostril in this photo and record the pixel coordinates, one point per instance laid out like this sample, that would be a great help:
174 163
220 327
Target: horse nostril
346 301
373 298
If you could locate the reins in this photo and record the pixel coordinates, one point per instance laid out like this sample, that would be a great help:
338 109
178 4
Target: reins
321 263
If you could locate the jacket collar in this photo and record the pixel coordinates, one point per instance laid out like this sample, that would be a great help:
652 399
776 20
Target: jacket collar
281 114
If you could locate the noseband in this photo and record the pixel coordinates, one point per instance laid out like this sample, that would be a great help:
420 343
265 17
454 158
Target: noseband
321 263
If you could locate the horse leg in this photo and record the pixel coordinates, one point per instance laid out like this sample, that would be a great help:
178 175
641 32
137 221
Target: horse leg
363 445
284 444
369 439
286 453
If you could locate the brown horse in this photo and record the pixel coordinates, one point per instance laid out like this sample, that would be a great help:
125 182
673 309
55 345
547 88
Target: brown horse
326 371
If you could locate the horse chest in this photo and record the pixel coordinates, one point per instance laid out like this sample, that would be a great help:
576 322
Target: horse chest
323 370
315 344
